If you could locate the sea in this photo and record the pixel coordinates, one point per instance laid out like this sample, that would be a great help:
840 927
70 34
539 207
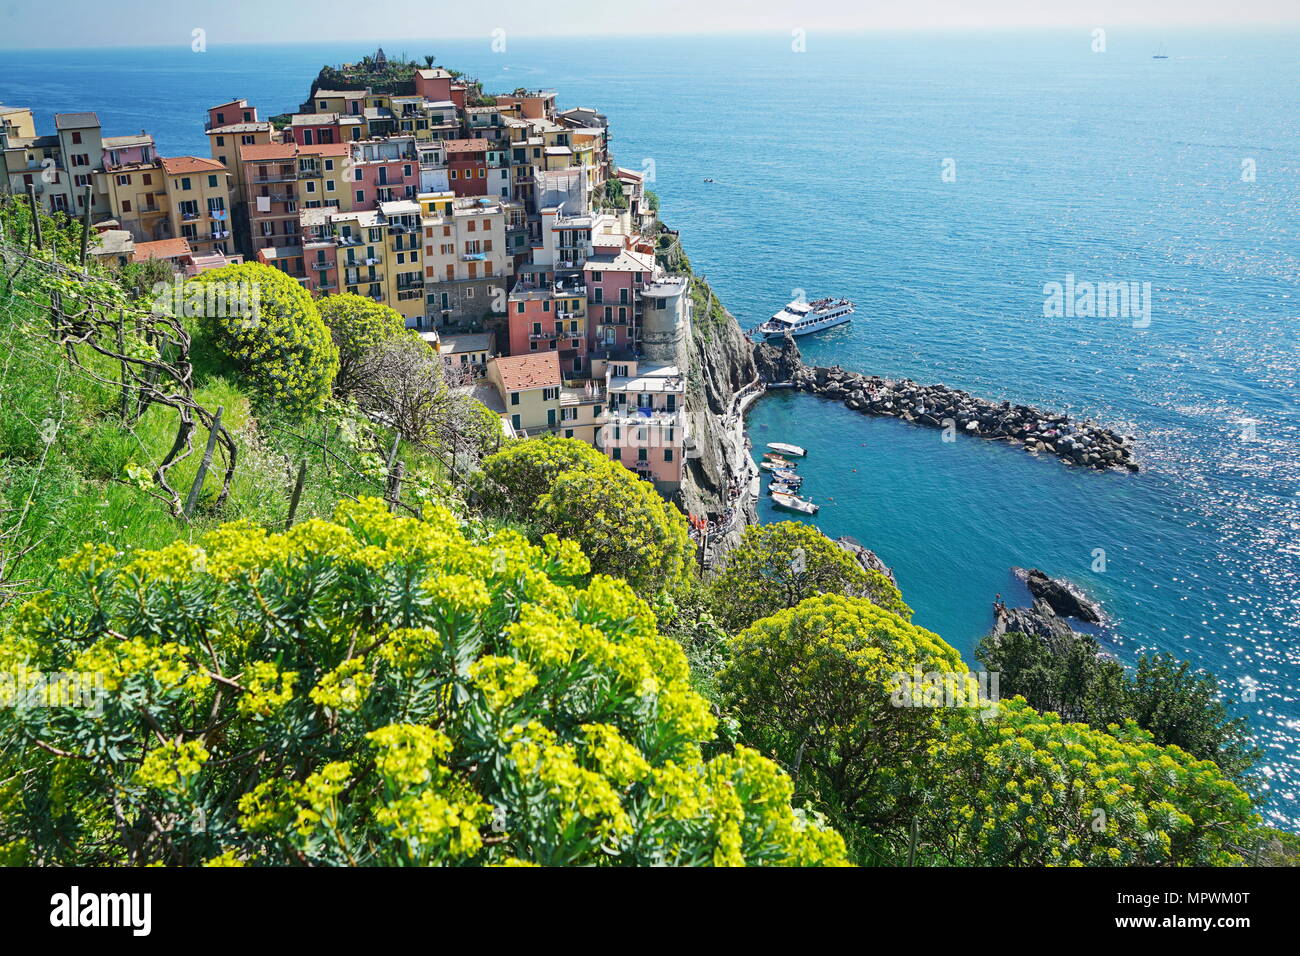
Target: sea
943 182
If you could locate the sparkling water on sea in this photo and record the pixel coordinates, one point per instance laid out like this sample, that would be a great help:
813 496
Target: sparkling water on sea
827 171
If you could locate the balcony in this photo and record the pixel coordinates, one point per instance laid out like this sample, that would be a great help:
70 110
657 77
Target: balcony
322 266
273 178
309 172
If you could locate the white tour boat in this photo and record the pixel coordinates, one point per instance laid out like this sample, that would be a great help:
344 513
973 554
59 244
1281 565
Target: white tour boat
794 503
782 448
800 318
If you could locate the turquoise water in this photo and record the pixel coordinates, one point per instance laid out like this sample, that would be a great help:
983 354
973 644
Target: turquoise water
827 169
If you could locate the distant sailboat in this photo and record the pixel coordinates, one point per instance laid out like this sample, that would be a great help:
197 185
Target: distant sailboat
1160 54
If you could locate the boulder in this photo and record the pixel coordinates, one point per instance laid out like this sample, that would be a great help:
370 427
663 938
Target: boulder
1061 596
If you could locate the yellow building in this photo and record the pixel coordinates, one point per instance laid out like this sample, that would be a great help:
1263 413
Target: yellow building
529 387
322 176
405 285
198 199
137 199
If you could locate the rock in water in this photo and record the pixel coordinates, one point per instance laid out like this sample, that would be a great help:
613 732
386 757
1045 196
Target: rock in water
1063 597
1040 621
869 560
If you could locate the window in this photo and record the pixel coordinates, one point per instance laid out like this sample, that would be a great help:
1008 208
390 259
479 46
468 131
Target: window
185 183
147 178
126 205
124 180
618 454
668 454
514 420
329 165
550 394
514 398
311 186
361 195
519 307
212 182
221 141
76 137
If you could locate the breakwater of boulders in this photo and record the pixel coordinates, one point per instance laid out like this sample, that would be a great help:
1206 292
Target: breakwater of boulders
940 406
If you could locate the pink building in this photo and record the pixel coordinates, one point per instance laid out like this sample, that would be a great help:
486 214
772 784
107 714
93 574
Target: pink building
614 281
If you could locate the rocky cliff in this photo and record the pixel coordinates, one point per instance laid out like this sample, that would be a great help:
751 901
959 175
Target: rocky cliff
721 377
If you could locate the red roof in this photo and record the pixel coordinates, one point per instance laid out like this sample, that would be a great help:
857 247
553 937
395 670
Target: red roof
261 152
162 249
465 145
180 165
325 149
521 372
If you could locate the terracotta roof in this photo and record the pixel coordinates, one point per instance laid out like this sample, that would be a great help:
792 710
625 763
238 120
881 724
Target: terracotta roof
521 372
325 149
465 145
180 165
261 152
162 249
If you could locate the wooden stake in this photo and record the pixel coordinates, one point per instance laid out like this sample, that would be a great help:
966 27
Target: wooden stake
297 494
192 501
85 228
36 214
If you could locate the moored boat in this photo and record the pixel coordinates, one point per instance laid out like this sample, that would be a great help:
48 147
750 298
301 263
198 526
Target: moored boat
794 503
782 448
801 318
777 466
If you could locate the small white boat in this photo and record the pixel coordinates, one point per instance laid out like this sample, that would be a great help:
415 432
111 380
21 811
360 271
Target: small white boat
786 466
794 503
782 448
783 488
801 318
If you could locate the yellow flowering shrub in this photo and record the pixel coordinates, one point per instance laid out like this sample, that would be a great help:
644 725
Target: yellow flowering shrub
374 690
281 347
816 687
572 489
1020 788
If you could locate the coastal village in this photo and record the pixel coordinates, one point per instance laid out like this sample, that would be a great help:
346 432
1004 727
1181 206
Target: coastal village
502 231
498 226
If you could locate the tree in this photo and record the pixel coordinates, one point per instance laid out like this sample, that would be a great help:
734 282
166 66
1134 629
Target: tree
371 690
826 689
571 489
778 565
268 327
1013 787
400 383
1164 696
1078 683
1182 707
357 325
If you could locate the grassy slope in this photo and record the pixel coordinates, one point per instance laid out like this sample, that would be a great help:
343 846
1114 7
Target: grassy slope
76 488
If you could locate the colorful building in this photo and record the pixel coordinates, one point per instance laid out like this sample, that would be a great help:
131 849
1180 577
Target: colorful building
529 387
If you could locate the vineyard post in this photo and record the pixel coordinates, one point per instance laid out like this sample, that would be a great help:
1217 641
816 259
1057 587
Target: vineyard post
296 496
192 501
36 214
85 227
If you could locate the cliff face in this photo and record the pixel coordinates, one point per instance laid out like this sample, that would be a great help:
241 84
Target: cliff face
721 376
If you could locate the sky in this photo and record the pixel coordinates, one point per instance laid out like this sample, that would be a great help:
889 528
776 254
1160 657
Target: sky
35 24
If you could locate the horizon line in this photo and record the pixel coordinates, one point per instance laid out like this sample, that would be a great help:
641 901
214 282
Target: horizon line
838 31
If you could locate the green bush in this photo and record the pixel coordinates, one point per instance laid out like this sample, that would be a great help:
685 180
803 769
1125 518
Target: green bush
1020 788
778 565
570 488
284 351
357 325
815 687
373 690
